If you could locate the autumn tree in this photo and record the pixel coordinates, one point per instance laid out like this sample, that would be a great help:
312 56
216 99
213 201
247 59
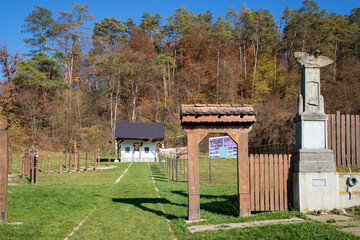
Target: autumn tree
73 29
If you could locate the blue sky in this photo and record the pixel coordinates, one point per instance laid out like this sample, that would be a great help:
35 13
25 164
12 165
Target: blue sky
14 11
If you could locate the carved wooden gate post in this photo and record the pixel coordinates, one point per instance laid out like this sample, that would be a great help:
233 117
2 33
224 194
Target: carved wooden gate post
197 121
194 137
243 171
4 168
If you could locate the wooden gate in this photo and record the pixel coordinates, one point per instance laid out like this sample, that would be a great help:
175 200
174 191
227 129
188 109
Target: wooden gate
270 181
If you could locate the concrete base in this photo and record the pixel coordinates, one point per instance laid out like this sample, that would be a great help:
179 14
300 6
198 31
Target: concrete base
313 160
116 160
315 191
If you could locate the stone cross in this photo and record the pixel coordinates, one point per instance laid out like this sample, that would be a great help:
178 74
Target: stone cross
310 99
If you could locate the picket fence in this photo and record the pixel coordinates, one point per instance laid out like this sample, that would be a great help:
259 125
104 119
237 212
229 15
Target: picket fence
344 138
270 182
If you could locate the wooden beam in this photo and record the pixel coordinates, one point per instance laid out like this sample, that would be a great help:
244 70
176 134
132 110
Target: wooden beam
4 169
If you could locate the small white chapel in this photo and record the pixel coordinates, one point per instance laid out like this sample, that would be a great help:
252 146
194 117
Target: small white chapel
138 141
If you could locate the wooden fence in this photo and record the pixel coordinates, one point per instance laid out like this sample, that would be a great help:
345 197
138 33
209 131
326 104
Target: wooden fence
344 138
270 179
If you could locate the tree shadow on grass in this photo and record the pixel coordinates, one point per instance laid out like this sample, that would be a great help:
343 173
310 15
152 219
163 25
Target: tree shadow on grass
138 202
160 179
218 204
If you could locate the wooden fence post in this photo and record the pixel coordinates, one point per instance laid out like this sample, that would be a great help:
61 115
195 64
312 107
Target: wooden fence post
338 139
65 160
42 162
23 165
74 159
343 161
49 163
60 162
78 163
70 161
347 131
95 159
109 157
36 164
271 176
86 159
32 166
4 170
353 137
99 157
27 162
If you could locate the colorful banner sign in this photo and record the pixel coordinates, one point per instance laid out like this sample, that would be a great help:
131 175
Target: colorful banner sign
222 147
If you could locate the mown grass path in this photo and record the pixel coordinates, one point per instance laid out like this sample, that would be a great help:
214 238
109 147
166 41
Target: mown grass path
131 210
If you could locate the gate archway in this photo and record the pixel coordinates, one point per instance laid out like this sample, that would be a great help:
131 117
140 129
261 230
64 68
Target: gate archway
197 120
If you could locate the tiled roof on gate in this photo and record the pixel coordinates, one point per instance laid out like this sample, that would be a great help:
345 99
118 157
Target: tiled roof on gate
216 109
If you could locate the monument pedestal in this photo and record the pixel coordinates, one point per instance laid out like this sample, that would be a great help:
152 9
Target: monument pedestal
313 160
315 181
313 191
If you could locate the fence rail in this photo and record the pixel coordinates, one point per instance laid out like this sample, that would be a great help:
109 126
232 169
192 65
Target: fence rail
344 138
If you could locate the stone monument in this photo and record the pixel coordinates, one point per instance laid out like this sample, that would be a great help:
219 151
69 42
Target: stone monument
314 173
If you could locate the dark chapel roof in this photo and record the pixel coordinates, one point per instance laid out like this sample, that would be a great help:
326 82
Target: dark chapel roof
131 130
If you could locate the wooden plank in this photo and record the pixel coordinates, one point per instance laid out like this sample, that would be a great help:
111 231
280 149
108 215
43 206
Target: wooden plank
286 175
276 181
338 139
281 182
357 140
348 143
343 161
48 171
328 127
266 176
60 162
252 182
256 182
271 177
353 137
333 137
262 190
290 183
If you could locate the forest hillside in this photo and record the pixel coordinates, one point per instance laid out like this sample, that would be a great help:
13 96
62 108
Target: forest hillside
76 81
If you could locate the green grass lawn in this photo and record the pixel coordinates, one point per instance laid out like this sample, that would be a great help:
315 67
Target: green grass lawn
218 205
51 209
131 208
